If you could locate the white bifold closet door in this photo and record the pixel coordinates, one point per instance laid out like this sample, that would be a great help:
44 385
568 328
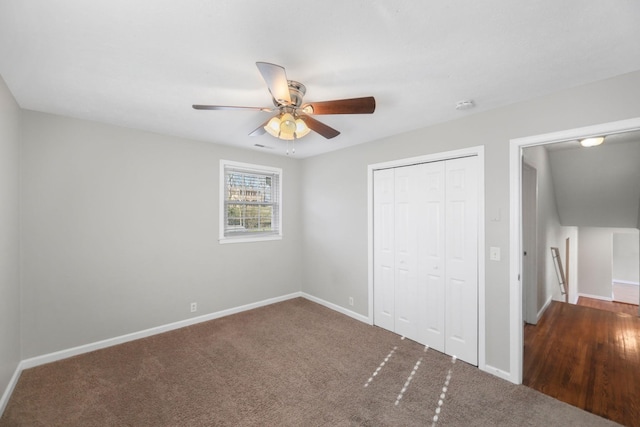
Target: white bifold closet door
425 254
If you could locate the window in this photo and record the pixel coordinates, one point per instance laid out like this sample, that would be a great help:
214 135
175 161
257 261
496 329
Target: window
250 202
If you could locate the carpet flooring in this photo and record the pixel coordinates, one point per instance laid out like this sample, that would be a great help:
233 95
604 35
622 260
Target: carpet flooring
294 363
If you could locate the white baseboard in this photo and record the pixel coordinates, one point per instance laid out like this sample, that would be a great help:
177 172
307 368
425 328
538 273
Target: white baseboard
543 309
500 373
336 307
9 390
580 294
63 354
625 282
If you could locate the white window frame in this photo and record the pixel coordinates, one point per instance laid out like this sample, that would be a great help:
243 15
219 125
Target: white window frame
248 237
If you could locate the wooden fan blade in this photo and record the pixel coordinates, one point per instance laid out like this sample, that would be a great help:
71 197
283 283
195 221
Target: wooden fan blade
230 107
319 127
366 105
260 130
276 79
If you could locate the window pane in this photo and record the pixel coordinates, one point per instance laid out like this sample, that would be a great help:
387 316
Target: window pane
251 200
243 217
249 187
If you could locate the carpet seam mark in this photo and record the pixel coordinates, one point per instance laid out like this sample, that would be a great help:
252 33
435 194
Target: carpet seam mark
443 394
379 368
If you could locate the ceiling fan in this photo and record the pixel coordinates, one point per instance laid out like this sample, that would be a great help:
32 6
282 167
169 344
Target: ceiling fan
293 119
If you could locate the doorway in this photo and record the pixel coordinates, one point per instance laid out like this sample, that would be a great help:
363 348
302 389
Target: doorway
516 260
558 347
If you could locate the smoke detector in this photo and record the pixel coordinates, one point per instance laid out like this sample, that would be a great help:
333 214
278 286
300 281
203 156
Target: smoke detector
465 104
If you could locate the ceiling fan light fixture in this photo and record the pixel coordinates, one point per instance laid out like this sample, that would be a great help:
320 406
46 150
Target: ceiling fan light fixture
287 127
287 123
301 128
273 127
287 136
592 142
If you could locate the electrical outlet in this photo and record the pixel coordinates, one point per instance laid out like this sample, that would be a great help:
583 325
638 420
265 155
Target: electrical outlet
194 307
351 301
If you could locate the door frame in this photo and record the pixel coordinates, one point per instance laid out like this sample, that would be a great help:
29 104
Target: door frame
477 151
516 146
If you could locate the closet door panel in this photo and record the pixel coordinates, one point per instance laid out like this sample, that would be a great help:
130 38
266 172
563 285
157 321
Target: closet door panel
384 249
432 246
408 189
461 294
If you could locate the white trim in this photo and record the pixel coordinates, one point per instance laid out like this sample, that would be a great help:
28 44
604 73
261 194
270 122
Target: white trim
580 294
427 158
477 151
247 239
10 387
249 167
515 177
610 128
370 170
543 309
63 354
498 372
625 282
336 307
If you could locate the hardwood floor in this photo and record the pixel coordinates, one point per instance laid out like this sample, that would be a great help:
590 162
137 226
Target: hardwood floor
588 358
616 307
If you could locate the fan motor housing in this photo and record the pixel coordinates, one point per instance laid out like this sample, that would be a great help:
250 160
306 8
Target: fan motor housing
296 91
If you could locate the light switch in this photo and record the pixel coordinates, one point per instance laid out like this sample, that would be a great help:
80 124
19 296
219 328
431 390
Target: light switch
494 253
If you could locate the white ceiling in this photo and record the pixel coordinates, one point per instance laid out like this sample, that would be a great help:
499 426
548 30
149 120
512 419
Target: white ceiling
143 63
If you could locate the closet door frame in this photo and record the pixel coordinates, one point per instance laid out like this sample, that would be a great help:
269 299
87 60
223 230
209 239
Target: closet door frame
478 152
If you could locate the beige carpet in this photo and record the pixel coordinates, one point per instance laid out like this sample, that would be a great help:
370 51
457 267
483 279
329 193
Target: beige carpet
289 364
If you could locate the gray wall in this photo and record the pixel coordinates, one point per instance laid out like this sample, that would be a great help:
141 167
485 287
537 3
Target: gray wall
626 253
550 232
595 260
120 226
9 237
120 233
598 187
335 197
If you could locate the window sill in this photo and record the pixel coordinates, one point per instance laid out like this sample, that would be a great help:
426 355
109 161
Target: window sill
247 239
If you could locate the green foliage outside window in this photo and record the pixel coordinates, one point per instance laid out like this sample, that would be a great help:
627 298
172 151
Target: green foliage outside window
250 217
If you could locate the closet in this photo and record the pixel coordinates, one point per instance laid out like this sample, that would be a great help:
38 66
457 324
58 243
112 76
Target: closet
425 228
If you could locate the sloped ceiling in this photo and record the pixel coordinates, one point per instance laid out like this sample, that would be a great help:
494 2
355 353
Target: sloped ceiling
143 63
598 186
